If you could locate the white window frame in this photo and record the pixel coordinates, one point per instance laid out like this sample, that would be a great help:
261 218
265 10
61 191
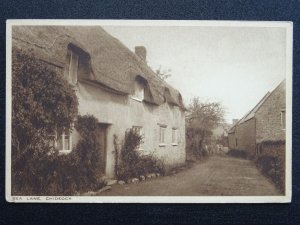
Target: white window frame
174 136
141 133
74 59
62 136
162 135
139 91
283 118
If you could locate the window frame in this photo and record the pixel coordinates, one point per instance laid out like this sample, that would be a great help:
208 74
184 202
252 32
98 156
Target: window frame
162 135
62 137
139 91
73 78
283 119
174 136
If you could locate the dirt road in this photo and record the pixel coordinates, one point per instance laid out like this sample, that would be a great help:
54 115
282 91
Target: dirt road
219 175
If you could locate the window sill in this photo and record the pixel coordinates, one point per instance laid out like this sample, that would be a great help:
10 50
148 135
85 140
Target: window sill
162 145
136 99
64 152
174 144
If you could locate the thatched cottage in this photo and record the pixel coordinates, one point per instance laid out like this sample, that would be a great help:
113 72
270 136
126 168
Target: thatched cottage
113 84
264 123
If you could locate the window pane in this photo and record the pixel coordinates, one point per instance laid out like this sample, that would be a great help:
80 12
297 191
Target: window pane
67 143
59 143
59 139
139 90
73 68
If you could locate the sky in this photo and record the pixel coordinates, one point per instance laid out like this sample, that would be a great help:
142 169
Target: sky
236 66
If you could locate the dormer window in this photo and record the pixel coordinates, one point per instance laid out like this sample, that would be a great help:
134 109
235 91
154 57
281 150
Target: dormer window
73 67
139 90
78 64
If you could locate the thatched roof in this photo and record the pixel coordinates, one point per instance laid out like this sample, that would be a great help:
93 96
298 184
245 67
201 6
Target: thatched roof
113 65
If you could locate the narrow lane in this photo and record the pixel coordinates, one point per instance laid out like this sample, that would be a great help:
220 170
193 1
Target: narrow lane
219 175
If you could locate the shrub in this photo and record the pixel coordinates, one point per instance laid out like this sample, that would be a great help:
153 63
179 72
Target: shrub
79 171
238 153
271 162
196 140
42 101
132 163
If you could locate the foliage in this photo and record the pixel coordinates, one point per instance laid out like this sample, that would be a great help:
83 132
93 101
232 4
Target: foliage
163 74
132 163
201 119
88 153
204 115
271 162
42 101
223 140
238 153
78 171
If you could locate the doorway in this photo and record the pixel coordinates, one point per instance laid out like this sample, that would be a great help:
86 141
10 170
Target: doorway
102 140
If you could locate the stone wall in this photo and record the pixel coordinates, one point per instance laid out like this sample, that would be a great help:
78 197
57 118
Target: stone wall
245 134
232 141
268 116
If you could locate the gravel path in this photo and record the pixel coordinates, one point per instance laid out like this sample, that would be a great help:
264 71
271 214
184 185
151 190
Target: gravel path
219 175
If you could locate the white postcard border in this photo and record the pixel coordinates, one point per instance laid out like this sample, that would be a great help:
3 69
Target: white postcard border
152 199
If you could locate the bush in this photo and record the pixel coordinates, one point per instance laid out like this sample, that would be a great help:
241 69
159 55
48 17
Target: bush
80 171
132 164
196 140
271 162
238 153
42 101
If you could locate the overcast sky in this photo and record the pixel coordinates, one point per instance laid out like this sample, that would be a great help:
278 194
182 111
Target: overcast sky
236 66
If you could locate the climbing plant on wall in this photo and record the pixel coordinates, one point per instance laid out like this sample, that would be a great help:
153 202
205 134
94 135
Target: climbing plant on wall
42 101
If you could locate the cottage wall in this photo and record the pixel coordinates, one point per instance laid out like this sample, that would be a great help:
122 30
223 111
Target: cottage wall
122 112
119 112
246 138
268 116
231 141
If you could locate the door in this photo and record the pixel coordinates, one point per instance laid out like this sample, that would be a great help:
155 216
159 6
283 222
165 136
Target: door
101 137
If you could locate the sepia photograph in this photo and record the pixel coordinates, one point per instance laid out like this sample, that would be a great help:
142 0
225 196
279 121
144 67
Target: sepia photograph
148 111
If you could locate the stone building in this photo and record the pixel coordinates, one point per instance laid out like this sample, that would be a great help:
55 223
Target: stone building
265 122
113 84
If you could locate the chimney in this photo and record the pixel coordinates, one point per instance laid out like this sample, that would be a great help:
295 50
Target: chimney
141 52
234 121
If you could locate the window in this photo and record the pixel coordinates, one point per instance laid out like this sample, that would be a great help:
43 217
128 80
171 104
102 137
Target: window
139 91
73 67
139 130
283 118
162 134
174 136
236 142
62 140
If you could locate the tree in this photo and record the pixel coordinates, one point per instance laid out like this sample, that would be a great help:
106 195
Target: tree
201 119
42 101
163 74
